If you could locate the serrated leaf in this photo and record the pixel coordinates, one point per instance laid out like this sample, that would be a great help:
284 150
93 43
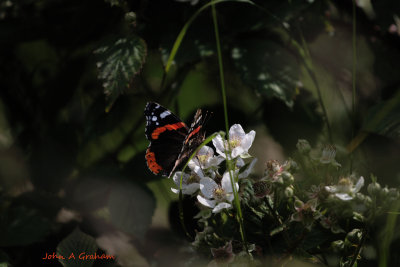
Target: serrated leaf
119 61
131 208
73 246
267 67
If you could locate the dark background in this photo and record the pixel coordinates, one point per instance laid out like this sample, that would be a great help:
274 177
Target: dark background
75 77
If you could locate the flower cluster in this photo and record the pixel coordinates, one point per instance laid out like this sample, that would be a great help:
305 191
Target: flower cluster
212 188
304 202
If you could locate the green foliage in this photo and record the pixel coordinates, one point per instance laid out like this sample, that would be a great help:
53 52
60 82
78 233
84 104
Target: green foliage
268 68
74 245
119 61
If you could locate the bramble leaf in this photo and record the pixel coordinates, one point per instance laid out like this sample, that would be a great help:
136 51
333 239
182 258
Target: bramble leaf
119 61
268 68
74 245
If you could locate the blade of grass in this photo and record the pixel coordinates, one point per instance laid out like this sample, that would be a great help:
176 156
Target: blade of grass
354 72
229 164
182 33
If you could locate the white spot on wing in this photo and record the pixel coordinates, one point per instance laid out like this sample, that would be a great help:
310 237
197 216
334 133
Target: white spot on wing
164 114
154 118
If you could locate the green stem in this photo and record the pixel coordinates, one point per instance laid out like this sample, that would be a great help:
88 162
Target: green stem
354 70
221 68
310 69
228 161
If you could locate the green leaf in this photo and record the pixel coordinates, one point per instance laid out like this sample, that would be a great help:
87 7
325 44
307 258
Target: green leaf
131 208
267 67
72 247
21 226
119 61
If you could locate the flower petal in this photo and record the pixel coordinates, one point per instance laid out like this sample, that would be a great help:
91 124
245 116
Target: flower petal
214 161
174 190
360 183
218 143
237 151
248 140
236 131
198 171
248 170
221 206
343 196
226 182
207 187
191 188
331 189
177 179
193 163
206 150
206 202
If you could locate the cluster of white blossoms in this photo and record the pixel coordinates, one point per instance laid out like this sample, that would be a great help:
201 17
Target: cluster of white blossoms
215 190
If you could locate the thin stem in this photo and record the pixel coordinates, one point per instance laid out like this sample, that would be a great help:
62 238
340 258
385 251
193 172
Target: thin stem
221 67
354 70
228 161
310 69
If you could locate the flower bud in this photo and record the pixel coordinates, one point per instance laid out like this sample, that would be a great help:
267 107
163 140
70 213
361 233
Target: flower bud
303 146
374 188
287 177
337 246
393 193
289 191
354 236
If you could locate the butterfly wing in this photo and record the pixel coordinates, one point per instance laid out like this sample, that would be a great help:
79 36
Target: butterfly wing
194 138
166 133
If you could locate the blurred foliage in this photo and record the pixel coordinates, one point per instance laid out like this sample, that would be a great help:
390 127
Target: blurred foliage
75 77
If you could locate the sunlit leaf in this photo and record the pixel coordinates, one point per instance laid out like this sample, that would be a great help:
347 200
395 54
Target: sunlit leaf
267 67
74 246
119 61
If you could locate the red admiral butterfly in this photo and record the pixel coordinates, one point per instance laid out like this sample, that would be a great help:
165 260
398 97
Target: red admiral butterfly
171 141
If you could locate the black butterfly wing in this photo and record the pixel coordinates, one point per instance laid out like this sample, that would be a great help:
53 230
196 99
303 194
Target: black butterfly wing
167 134
194 138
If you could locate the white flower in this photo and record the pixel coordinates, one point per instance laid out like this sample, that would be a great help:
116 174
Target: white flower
239 142
345 190
205 159
216 196
190 183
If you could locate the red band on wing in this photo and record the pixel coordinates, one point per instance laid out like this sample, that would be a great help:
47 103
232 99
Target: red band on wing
156 133
195 131
151 162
